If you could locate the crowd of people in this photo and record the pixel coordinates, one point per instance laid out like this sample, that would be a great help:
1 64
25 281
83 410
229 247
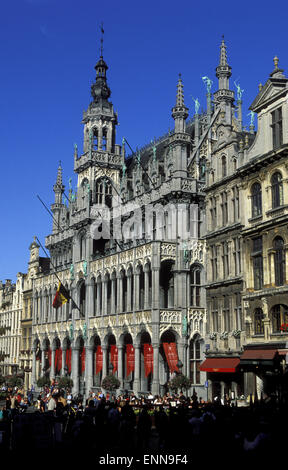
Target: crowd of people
173 423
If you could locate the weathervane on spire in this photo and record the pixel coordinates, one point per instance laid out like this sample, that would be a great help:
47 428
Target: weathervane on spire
102 38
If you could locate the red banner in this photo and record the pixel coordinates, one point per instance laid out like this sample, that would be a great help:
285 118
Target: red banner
130 358
171 354
114 357
58 360
68 359
99 359
148 358
82 360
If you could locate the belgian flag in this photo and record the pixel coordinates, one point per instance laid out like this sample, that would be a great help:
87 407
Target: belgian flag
62 296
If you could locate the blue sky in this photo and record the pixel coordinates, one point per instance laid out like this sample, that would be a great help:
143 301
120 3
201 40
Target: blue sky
48 52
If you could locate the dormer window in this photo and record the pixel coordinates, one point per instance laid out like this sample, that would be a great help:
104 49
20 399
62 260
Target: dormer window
276 125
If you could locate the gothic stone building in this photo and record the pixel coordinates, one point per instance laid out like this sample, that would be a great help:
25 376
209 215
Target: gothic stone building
199 288
139 310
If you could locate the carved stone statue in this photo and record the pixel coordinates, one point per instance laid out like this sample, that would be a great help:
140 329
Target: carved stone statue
208 83
184 326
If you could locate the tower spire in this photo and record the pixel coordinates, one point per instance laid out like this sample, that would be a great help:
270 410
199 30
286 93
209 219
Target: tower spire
179 112
223 52
224 96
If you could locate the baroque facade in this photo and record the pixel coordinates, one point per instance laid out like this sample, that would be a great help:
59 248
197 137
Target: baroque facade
174 256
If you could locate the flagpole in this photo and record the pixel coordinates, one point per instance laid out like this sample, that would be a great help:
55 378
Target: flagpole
74 303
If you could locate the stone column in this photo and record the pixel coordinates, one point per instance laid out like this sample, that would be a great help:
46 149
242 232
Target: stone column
136 291
222 385
210 391
98 305
42 360
113 297
137 369
89 299
120 365
155 287
146 289
52 370
105 361
104 297
119 307
63 362
129 287
89 369
75 369
155 383
33 378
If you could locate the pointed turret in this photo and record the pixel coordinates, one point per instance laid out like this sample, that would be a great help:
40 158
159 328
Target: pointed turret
58 207
58 187
224 96
180 112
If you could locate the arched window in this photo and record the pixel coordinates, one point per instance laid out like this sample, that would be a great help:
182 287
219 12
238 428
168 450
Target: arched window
224 166
103 192
279 261
194 360
277 190
195 275
256 199
258 323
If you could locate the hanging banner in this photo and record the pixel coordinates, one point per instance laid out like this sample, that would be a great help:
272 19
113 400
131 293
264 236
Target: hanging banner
171 354
148 358
82 360
68 359
114 357
58 360
130 359
99 359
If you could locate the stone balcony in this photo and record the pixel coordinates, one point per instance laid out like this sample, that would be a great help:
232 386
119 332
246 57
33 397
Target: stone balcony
86 159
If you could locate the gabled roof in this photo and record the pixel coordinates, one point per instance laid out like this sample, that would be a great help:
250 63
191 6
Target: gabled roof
272 89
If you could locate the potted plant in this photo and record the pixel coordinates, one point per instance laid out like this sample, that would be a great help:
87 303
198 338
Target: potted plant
43 381
110 383
180 381
65 382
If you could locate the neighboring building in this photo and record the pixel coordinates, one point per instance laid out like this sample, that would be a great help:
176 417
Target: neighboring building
10 327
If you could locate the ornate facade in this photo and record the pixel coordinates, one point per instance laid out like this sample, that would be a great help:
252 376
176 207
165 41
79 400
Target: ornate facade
174 257
137 289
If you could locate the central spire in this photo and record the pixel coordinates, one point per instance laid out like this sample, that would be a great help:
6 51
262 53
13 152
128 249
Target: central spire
223 71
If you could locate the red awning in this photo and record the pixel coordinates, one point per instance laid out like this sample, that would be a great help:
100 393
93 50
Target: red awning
220 364
259 354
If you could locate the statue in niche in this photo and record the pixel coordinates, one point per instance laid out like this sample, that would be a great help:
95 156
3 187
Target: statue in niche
71 332
85 331
184 326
